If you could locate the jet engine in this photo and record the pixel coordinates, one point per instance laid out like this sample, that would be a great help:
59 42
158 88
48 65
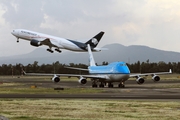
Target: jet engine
82 80
140 80
156 78
35 43
56 79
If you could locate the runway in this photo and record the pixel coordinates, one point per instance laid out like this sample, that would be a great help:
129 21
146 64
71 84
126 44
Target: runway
164 90
94 96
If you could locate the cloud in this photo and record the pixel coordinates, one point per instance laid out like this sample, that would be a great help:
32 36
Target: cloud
23 13
128 22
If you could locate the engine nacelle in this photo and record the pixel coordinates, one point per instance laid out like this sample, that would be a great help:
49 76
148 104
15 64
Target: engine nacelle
140 80
82 80
35 43
156 78
56 79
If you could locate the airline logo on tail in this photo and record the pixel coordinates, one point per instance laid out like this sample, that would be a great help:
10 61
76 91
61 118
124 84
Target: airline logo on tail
93 42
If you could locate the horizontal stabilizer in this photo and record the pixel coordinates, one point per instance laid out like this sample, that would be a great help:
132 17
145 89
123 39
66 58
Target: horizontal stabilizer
100 49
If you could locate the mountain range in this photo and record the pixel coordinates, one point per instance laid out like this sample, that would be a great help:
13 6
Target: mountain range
115 52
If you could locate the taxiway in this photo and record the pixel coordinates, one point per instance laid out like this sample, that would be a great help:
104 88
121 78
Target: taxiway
165 90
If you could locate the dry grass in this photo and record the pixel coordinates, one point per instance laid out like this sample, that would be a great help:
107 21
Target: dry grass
73 109
54 109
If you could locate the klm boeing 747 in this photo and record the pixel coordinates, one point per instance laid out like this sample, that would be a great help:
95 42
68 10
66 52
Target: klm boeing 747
100 75
37 39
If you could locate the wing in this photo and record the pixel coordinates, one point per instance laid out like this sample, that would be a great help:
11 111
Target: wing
152 74
75 68
46 42
49 42
66 75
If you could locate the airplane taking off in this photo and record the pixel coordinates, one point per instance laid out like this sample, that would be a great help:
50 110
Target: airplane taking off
37 39
100 75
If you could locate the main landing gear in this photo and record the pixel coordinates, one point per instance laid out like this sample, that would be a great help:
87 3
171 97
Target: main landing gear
51 51
103 84
58 50
94 83
121 85
17 40
110 85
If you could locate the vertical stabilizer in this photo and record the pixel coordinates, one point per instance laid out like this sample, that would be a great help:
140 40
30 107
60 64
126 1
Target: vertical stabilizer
91 58
93 42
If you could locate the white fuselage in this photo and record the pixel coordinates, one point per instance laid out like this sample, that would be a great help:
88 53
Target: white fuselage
57 42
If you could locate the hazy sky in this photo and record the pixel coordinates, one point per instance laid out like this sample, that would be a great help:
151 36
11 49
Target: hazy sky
154 23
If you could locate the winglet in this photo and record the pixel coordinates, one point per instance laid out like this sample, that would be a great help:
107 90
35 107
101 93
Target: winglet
91 58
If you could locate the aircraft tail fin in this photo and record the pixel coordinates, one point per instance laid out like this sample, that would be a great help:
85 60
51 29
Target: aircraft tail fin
91 58
93 42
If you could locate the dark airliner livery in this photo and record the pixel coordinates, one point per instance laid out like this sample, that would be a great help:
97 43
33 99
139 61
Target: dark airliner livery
37 39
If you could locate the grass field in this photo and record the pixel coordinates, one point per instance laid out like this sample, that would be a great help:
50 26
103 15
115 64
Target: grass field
54 109
83 109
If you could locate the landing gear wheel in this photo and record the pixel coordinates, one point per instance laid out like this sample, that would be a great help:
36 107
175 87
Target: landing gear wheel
110 85
58 50
94 85
101 85
121 85
50 50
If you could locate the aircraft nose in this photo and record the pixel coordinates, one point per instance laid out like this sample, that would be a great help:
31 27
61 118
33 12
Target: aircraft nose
12 32
126 70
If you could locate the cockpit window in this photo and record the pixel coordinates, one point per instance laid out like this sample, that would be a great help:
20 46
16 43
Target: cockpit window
122 64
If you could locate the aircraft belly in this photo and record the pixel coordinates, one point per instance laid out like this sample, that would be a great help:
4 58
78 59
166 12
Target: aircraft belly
118 77
25 38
